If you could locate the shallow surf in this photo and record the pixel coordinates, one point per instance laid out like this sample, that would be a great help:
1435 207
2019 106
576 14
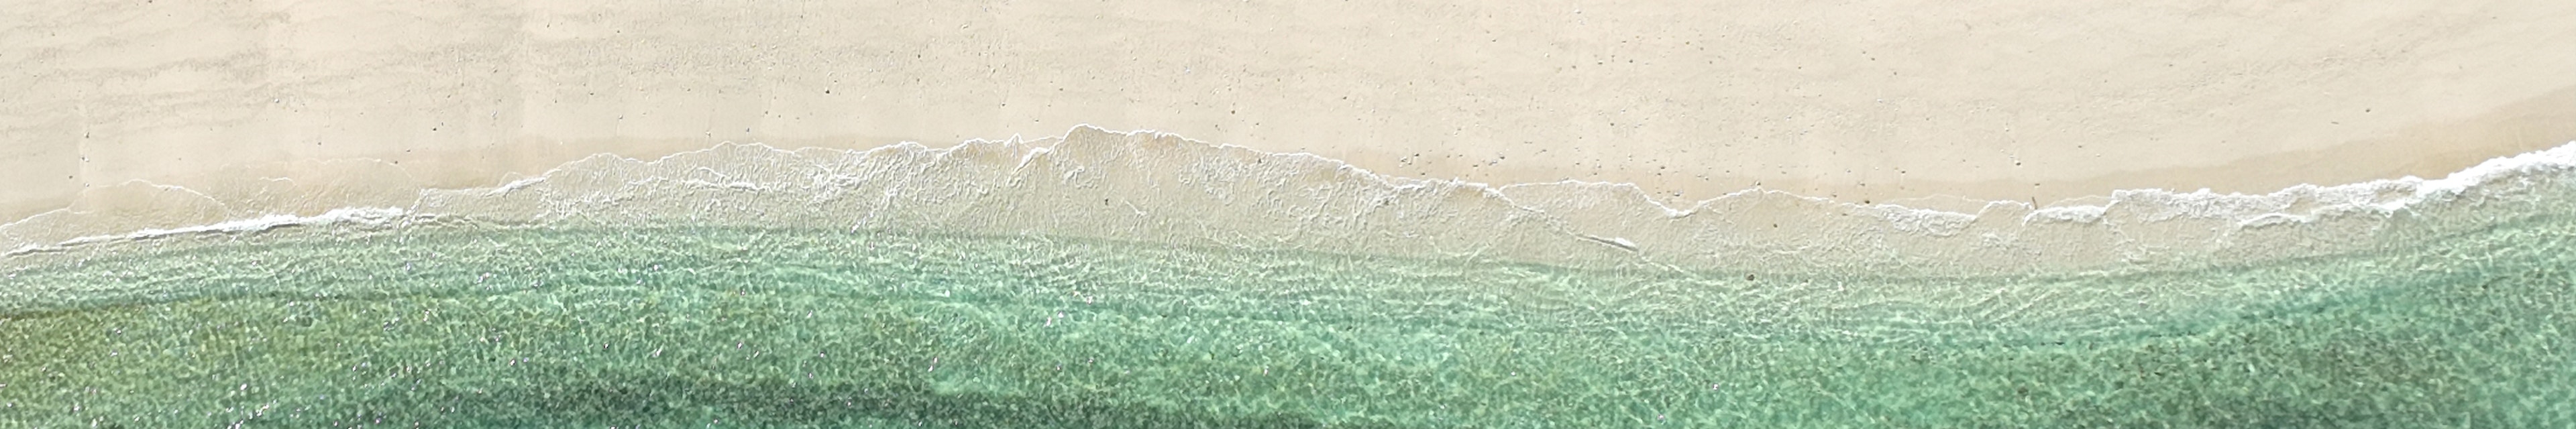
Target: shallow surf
1105 279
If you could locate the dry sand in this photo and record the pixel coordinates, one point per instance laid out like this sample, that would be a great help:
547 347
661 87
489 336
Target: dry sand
1870 100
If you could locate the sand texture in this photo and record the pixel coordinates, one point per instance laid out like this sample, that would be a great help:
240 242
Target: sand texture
1288 214
1988 100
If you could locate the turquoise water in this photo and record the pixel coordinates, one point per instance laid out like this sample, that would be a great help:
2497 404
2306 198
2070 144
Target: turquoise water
1137 280
478 326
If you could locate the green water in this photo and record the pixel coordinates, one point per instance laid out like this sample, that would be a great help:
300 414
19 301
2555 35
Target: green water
466 326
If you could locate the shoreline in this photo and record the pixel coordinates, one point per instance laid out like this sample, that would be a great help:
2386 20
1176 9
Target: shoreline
2426 150
1848 105
1188 192
310 187
1384 213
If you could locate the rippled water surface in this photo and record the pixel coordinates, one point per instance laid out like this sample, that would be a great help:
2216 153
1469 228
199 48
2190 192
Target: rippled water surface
680 326
460 321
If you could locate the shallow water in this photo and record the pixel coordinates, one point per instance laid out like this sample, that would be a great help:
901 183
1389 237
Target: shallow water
680 327
462 321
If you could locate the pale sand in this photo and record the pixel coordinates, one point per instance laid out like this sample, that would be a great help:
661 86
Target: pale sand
1876 100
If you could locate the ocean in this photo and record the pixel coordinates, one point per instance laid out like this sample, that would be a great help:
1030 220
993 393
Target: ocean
1107 279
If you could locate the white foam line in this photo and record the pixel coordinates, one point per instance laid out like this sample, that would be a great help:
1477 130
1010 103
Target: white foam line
1032 155
2259 210
516 184
373 216
2065 214
2210 204
2557 158
2353 196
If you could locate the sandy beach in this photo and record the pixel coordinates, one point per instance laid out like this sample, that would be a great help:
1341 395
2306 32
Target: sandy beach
1264 214
1989 100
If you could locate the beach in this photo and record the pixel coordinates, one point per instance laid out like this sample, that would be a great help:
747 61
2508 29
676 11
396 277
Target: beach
1257 214
1978 100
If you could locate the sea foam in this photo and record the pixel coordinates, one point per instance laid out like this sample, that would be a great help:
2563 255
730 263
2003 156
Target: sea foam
1155 187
